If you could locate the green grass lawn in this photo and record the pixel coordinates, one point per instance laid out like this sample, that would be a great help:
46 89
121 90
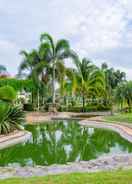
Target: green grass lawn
121 117
115 177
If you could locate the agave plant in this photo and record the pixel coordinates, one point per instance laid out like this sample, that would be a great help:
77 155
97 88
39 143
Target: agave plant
11 118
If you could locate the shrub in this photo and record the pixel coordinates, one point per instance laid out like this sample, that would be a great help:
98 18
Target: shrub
7 93
4 108
12 118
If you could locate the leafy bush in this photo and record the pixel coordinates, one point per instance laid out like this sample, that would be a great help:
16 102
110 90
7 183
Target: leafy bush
7 93
11 118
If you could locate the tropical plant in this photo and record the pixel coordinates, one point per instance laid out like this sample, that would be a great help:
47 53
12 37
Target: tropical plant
123 94
54 54
113 77
90 80
11 118
30 60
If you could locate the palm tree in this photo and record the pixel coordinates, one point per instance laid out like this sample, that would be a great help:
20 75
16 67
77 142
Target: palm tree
55 53
30 61
89 78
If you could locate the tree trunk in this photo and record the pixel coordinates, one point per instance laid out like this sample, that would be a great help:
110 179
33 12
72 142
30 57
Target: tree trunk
83 103
53 85
32 100
38 100
129 104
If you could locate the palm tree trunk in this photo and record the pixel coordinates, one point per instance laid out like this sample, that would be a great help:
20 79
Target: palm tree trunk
32 100
53 85
38 100
83 103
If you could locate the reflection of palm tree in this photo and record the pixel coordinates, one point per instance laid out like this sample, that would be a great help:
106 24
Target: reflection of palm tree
46 149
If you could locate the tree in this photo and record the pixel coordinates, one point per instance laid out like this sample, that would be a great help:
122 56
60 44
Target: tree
54 53
123 94
89 78
30 61
112 78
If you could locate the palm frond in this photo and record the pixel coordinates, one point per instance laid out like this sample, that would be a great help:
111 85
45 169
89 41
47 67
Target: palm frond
62 45
45 37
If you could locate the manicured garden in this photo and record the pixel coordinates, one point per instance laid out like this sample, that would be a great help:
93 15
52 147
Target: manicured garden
45 83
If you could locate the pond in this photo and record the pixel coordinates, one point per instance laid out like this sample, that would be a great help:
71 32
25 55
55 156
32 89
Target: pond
60 142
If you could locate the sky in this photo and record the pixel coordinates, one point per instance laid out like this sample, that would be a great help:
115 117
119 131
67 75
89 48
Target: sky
100 30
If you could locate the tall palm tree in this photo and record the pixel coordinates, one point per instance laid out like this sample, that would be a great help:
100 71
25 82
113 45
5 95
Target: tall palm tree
30 61
55 53
89 78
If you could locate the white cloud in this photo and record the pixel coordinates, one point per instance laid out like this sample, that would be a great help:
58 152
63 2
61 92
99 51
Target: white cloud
94 27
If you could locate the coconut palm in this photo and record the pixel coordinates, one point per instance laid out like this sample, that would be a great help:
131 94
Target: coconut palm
55 53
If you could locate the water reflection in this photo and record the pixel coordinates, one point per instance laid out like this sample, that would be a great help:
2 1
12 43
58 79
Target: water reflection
63 142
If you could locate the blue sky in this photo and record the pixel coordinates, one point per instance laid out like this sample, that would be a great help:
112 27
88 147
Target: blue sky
98 29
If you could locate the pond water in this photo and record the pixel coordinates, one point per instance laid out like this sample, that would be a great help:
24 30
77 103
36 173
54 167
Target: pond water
60 142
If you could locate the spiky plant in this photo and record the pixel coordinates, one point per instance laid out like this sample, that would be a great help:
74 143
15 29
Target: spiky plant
11 118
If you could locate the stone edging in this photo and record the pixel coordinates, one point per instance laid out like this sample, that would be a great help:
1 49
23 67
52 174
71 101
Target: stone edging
104 163
124 131
14 138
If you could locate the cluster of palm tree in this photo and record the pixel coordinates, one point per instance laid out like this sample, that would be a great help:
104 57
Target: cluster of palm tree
47 68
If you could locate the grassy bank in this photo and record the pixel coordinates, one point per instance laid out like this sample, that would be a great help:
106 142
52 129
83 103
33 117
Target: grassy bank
115 177
121 117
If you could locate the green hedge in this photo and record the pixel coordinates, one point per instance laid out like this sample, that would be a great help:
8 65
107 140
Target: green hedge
88 108
18 85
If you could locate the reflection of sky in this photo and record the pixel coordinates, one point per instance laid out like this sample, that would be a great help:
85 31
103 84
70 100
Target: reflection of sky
58 135
68 149
117 149
90 131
